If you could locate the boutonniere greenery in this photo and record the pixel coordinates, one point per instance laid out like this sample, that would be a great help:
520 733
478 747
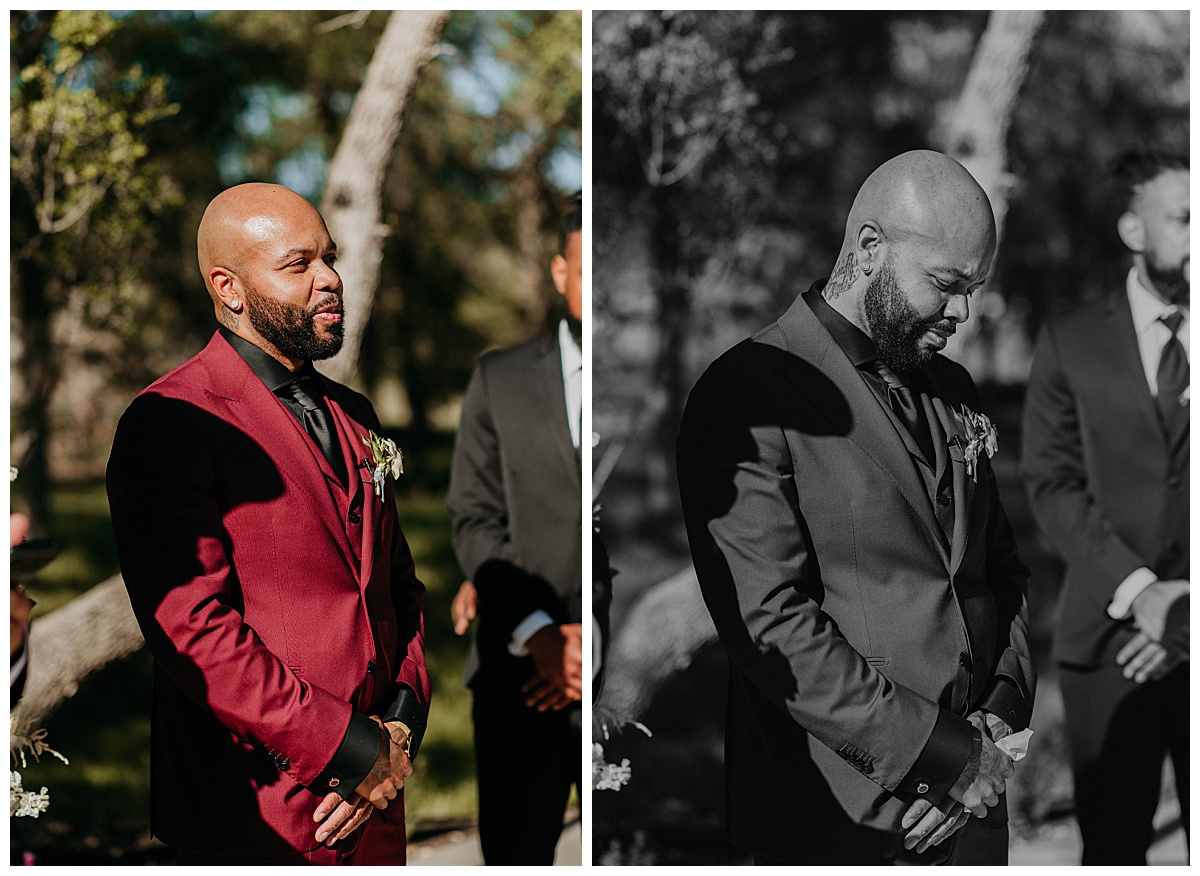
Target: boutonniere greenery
388 460
980 438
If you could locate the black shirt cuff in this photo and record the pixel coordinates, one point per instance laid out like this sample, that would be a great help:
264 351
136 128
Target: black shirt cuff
941 762
1006 702
354 759
408 710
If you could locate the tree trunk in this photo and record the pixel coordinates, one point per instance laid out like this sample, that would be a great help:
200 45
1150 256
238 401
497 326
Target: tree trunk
659 637
974 131
352 205
40 371
69 644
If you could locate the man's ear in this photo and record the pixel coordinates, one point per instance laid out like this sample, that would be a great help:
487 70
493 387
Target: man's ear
869 247
1132 231
558 273
227 286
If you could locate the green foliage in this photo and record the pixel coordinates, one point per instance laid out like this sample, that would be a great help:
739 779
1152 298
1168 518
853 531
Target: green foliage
77 125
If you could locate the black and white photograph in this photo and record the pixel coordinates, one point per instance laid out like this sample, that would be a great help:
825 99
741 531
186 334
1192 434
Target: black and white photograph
890 437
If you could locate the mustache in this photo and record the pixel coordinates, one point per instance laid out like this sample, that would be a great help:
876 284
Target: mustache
942 326
331 304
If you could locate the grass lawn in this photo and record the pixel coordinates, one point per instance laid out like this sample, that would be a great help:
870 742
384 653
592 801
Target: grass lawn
99 805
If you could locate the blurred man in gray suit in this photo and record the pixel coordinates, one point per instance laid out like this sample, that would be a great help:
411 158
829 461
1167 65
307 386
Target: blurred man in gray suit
515 502
1107 467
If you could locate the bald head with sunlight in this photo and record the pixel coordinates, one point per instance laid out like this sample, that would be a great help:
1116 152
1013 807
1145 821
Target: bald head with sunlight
919 240
265 253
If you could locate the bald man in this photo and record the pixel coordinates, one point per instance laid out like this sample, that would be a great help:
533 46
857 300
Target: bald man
846 529
267 569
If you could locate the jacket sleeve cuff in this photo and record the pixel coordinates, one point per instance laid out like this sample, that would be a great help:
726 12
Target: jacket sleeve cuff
407 709
943 758
353 760
1006 702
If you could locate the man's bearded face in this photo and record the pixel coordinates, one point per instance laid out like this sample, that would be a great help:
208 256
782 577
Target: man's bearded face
291 329
896 326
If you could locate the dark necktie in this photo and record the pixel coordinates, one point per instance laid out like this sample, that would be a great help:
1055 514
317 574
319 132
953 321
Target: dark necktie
907 407
318 423
1172 377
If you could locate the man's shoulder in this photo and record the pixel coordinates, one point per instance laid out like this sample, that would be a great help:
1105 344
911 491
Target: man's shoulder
1082 318
515 361
522 352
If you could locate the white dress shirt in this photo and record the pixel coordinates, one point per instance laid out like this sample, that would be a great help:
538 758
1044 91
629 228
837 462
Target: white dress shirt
1152 335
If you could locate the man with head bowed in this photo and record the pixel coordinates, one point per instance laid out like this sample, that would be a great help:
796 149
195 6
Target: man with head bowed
267 570
847 532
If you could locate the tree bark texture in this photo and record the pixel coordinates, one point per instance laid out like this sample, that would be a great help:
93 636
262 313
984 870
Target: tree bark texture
352 204
69 644
974 131
657 638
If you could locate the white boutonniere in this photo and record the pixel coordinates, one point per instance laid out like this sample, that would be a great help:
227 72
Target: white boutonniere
980 437
388 459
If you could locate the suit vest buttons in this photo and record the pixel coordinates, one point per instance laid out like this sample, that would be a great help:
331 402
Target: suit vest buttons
370 667
964 660
355 518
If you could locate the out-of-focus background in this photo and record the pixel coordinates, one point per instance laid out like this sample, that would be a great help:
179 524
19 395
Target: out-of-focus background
123 126
727 150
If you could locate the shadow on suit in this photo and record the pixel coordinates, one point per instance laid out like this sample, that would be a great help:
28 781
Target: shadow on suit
218 789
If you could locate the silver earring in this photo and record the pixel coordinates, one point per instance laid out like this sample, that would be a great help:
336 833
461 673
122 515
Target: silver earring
866 268
234 304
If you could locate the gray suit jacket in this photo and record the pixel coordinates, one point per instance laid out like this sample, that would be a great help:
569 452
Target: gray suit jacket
859 634
515 502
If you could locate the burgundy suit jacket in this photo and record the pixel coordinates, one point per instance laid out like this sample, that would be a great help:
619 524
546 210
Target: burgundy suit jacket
275 601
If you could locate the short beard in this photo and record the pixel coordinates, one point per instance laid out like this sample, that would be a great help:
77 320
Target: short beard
1169 282
894 324
292 330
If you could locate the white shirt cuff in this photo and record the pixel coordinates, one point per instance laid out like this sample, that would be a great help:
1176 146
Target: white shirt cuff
525 629
1129 590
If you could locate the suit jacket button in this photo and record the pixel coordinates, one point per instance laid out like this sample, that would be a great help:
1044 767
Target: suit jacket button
371 667
964 660
334 782
355 517
943 499
922 787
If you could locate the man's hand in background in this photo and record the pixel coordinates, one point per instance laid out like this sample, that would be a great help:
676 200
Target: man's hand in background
464 607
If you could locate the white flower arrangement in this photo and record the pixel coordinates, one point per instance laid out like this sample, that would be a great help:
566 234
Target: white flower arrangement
22 803
388 459
981 437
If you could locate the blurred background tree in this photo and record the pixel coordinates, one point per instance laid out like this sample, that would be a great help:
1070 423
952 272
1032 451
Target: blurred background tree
124 125
728 148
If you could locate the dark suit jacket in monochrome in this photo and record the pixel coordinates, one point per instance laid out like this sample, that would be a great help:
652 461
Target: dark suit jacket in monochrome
1107 486
860 631
514 502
